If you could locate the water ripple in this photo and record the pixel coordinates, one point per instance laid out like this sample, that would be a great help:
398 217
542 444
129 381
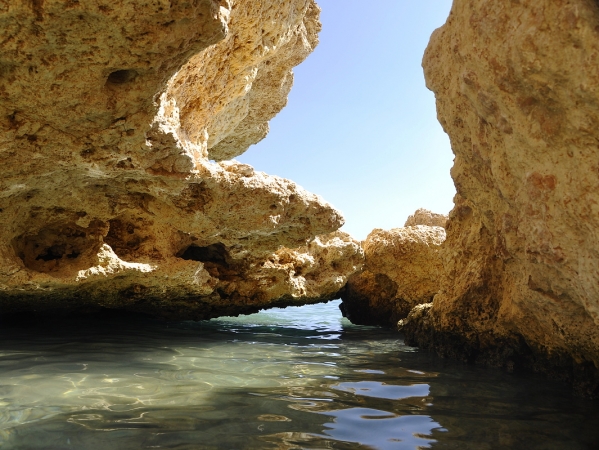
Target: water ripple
299 378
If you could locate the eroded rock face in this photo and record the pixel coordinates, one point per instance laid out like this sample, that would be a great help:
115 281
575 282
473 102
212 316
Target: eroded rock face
109 116
228 93
402 269
517 90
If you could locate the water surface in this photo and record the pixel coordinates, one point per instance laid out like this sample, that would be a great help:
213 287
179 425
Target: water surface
282 379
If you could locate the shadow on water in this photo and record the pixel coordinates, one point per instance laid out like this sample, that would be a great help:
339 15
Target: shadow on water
299 378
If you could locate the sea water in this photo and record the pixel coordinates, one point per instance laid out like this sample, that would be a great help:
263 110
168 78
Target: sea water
281 379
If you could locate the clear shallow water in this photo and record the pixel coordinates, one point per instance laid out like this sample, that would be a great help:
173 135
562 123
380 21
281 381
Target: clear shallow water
283 379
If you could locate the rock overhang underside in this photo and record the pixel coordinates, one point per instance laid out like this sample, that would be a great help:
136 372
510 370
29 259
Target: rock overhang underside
119 124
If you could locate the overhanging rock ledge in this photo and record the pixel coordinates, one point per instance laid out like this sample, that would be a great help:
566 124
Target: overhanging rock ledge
112 115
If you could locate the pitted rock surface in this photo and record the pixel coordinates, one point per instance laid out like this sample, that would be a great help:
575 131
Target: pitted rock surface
517 91
402 269
425 217
110 115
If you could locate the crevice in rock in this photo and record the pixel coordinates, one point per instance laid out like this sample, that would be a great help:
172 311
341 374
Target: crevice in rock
121 76
57 246
214 253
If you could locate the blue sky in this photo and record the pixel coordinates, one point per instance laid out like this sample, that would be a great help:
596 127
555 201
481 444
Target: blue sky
360 127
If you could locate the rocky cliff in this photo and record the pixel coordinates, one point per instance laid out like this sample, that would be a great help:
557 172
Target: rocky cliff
112 116
517 90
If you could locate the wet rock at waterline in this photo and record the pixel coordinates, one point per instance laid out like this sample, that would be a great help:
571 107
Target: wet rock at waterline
402 269
517 90
109 117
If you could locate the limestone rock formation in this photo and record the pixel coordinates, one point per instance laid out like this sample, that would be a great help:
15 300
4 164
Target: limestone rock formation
426 217
517 90
110 113
402 269
227 94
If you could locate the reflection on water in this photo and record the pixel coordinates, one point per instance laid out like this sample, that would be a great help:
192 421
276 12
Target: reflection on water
283 379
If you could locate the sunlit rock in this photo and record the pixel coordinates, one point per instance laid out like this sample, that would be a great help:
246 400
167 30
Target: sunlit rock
402 269
425 217
517 90
110 116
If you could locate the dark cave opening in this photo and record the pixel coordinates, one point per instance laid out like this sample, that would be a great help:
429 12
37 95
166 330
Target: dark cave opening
214 253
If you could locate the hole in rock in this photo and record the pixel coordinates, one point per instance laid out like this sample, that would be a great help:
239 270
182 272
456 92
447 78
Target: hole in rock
121 76
57 247
87 152
56 252
214 253
129 238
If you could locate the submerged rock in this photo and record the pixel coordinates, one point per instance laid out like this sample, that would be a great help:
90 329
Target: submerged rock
402 269
110 116
517 90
